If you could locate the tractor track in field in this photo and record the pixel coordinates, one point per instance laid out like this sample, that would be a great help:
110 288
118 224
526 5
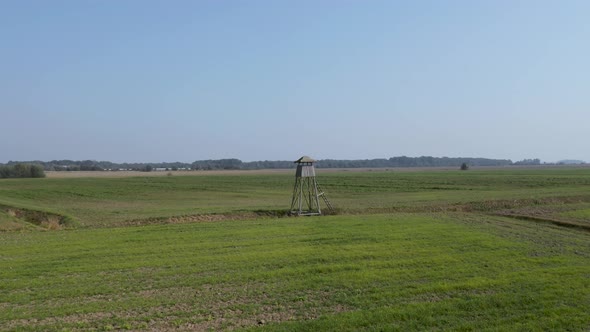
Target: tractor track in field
557 222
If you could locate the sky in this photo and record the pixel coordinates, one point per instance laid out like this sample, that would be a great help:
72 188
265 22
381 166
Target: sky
152 81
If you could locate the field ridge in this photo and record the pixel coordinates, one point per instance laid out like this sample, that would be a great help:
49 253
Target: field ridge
39 218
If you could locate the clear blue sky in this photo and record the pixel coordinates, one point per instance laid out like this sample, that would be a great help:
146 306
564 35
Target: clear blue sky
149 81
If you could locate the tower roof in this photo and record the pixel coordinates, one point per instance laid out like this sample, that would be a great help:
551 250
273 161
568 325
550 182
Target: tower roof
304 159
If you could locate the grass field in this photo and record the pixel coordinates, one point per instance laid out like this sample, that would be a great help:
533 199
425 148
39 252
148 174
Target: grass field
446 250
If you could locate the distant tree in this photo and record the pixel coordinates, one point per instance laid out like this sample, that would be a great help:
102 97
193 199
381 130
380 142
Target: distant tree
148 168
464 166
535 161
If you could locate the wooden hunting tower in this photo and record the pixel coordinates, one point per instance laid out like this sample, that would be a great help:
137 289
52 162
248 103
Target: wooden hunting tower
307 192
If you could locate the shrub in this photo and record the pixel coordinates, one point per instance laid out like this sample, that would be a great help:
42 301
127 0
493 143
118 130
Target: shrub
37 171
4 172
464 166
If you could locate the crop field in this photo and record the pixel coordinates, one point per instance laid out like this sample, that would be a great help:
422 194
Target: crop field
429 250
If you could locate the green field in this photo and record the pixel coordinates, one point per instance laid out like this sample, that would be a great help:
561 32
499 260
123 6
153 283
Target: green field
438 250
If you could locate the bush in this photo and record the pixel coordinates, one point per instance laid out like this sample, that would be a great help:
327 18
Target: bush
37 171
22 171
4 172
464 166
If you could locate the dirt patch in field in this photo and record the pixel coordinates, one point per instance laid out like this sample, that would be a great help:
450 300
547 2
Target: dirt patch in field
443 296
53 321
215 217
206 307
230 307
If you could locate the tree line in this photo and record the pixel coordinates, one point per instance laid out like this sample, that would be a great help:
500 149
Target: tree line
236 164
21 170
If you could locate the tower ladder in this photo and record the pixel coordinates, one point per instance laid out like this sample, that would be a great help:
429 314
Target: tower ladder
324 197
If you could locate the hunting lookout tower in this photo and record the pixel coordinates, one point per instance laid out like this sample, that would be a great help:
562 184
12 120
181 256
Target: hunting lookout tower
307 192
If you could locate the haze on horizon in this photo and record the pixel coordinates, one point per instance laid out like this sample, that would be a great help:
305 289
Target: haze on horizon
142 81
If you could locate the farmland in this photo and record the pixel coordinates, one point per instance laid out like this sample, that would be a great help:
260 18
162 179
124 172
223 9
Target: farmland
429 250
